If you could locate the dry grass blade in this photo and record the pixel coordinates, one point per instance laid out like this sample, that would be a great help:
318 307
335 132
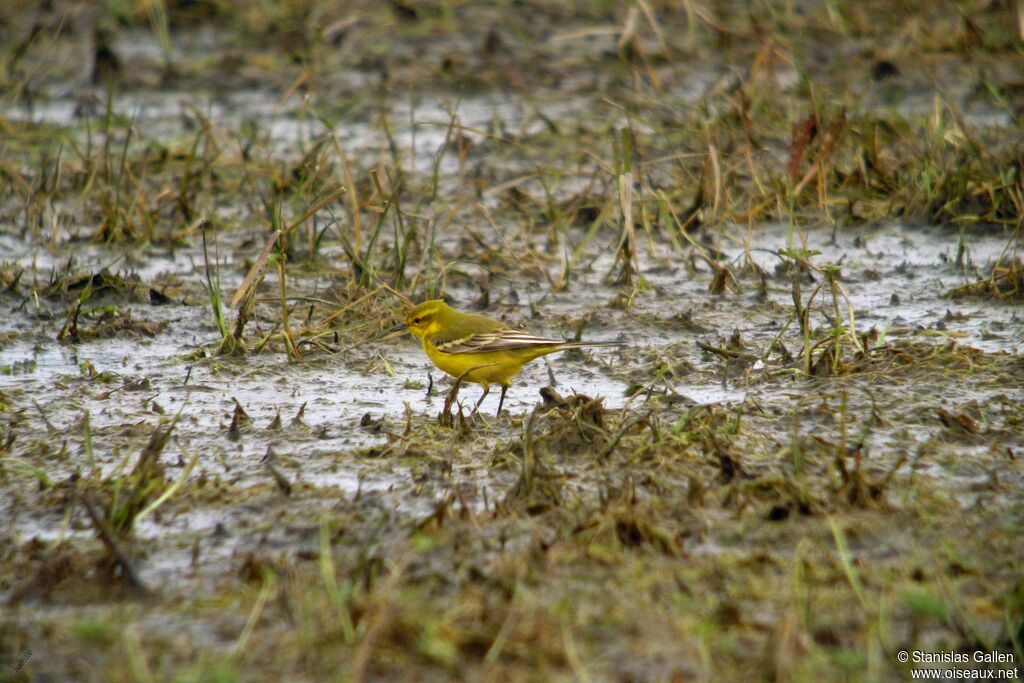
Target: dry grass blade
170 490
803 134
255 275
827 148
315 209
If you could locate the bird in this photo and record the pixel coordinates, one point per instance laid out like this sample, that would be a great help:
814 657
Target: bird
475 348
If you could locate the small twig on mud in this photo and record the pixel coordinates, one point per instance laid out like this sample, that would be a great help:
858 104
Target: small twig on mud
446 419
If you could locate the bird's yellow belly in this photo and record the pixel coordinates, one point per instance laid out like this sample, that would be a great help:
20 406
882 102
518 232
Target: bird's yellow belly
498 367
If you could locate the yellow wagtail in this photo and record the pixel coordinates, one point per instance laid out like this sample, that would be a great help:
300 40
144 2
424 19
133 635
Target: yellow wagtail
476 348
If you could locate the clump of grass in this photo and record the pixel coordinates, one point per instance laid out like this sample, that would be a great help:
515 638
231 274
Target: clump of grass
1006 277
116 503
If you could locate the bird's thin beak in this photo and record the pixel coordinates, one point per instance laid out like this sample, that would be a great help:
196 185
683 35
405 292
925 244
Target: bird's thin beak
400 327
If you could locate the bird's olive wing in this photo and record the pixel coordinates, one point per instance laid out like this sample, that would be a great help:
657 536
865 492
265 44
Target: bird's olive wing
495 340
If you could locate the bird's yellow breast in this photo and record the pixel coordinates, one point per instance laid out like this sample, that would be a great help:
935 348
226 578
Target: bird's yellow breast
496 367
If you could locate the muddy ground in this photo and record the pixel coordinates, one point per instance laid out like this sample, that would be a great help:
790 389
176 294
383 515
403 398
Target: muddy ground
802 219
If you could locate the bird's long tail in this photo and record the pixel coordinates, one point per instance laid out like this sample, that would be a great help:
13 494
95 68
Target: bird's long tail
581 344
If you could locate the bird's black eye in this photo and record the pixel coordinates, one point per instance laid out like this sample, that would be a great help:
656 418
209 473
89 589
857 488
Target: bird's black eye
417 321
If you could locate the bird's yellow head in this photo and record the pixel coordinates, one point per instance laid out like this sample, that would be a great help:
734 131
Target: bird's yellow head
425 319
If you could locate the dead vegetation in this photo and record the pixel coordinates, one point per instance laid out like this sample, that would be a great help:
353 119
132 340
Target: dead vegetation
790 473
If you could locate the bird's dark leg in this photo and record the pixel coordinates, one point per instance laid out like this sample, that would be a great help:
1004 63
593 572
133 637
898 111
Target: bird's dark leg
501 402
487 390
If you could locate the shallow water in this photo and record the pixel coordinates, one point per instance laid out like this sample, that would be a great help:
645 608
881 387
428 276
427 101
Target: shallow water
894 274
144 375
